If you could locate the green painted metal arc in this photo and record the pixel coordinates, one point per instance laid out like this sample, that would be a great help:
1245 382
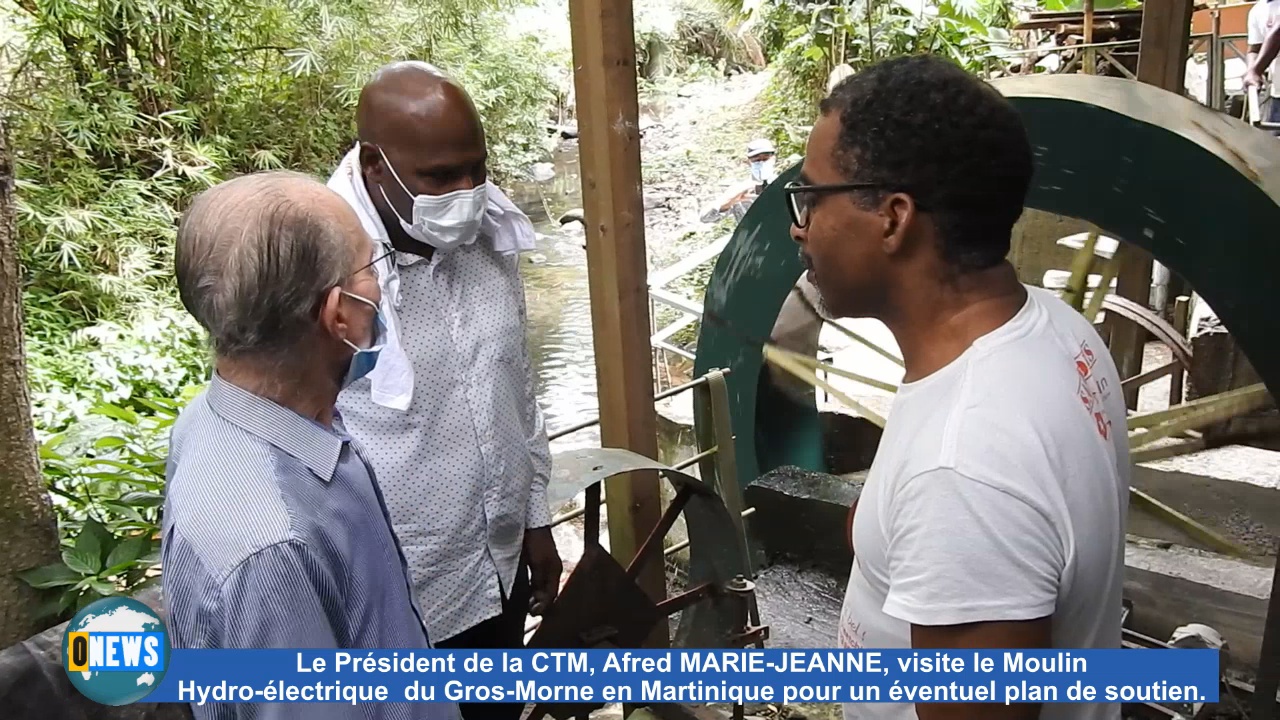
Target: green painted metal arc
751 279
1198 189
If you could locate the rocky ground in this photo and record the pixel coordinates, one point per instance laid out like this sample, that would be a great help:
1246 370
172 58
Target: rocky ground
693 149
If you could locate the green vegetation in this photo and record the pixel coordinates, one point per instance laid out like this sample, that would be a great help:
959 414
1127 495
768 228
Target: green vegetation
119 112
808 39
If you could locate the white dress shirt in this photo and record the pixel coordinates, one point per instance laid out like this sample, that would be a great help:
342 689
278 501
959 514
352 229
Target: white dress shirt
450 416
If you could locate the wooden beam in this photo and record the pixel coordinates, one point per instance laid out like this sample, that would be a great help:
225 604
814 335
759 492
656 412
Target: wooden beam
1162 60
604 59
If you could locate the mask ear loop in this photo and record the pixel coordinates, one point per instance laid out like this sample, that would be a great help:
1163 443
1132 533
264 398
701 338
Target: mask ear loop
394 174
390 204
373 344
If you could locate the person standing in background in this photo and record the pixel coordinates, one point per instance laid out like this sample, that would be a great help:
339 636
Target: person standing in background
1262 24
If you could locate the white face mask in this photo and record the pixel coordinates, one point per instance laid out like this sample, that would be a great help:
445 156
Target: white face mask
442 221
762 171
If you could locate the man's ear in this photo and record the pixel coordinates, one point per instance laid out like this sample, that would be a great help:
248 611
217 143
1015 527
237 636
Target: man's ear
371 162
899 211
332 317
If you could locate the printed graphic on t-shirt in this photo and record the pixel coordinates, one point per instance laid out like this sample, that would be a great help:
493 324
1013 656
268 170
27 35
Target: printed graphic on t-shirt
1093 391
852 636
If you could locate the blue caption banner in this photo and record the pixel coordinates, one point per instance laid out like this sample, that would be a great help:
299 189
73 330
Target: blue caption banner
691 676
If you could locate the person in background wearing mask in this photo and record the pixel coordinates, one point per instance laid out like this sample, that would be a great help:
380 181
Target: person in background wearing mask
450 414
275 533
761 156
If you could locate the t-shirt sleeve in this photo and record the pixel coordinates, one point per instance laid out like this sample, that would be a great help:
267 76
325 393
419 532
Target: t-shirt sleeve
961 550
1256 25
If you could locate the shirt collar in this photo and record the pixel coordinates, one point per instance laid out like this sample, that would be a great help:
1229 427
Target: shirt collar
303 439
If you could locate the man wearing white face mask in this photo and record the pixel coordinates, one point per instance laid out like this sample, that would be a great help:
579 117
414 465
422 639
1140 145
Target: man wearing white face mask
450 414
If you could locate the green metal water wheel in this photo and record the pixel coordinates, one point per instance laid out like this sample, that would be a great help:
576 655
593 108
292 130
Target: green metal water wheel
1198 189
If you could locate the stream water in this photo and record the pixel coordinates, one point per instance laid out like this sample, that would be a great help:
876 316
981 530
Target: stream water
555 276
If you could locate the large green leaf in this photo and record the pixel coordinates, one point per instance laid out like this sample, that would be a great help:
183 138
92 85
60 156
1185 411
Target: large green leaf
83 561
124 555
86 555
50 576
117 412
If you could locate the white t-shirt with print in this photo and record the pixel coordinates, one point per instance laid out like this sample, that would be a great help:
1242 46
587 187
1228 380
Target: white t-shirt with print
1262 18
999 492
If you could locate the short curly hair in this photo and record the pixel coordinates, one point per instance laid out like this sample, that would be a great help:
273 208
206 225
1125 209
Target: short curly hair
924 126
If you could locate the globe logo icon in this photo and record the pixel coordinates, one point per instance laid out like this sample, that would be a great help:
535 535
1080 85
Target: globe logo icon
115 651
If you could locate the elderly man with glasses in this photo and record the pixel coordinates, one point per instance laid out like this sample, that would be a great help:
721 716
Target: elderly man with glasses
275 531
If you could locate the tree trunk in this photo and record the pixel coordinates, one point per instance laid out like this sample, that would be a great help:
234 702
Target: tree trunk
28 530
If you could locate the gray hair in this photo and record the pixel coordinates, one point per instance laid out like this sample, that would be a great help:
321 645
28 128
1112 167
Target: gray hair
254 257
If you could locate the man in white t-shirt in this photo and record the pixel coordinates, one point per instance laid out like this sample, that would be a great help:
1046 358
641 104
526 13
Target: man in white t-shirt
1262 20
994 513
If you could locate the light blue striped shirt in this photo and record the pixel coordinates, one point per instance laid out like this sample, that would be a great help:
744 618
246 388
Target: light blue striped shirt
276 536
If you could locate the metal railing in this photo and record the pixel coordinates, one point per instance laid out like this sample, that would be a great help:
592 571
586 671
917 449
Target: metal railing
660 339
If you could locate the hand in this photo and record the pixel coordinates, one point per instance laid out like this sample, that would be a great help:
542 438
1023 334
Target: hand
1252 77
544 568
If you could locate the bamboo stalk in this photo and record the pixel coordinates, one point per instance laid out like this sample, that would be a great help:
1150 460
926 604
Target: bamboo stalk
1104 285
1187 524
817 364
1078 282
1179 411
1166 451
858 338
1209 415
808 375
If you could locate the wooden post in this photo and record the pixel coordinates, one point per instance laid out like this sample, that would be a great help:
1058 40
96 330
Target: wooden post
1090 56
1162 59
1181 323
604 59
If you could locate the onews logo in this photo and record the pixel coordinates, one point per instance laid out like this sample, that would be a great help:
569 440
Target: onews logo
115 651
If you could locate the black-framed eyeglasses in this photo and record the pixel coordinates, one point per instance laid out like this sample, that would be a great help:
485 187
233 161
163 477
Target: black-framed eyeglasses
375 261
801 197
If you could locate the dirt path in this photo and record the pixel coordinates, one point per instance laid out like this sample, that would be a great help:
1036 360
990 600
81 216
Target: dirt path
692 150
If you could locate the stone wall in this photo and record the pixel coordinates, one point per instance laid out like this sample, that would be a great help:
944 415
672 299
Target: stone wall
1034 249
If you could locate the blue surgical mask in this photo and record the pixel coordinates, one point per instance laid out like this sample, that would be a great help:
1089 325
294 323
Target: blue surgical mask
365 359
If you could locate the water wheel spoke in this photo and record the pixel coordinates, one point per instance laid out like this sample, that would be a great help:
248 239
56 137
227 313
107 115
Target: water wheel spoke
784 362
1151 375
863 341
654 541
591 523
676 603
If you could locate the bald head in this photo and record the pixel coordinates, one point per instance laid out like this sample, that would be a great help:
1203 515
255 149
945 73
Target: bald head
414 117
412 98
256 254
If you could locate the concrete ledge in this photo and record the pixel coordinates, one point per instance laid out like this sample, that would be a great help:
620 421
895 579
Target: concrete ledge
802 515
1242 512
1173 586
801 519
